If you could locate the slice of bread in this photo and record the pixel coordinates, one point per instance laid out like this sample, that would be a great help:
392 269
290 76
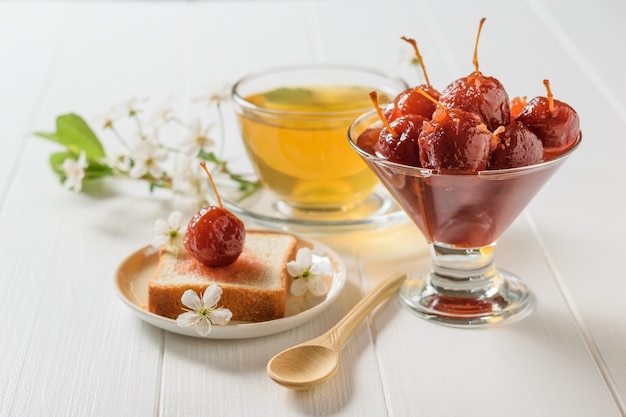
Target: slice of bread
254 287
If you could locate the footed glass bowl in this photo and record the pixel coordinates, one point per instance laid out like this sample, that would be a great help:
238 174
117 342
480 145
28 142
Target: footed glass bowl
462 216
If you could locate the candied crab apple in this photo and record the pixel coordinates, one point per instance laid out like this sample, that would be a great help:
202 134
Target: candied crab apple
554 122
411 101
368 138
397 141
479 94
401 143
517 147
215 237
455 140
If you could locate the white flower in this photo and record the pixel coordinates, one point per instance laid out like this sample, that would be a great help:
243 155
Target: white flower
199 140
215 94
168 232
74 171
120 159
107 119
147 157
307 273
203 313
162 115
133 106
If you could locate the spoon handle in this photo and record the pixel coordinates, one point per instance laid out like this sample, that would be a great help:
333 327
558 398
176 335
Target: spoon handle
349 322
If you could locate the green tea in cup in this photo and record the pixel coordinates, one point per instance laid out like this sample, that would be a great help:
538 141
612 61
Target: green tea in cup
294 124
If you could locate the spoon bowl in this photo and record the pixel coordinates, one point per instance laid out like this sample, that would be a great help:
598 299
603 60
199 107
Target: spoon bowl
305 365
311 363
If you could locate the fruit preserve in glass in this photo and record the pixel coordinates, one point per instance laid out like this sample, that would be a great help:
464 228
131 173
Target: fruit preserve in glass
462 215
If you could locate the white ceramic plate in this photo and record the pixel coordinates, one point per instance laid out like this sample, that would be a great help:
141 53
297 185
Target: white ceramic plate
131 281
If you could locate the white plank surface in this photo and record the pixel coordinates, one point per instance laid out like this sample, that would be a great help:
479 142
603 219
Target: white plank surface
26 55
68 346
586 256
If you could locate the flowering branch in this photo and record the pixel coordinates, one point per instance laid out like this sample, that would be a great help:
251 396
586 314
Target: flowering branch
145 154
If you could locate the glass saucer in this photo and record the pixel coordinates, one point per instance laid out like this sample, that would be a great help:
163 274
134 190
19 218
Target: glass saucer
378 211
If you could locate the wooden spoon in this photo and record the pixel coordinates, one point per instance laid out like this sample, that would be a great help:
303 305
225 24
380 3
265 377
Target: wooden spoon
310 363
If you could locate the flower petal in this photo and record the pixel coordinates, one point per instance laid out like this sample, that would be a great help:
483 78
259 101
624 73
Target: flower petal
161 227
155 170
317 286
298 287
211 296
186 319
203 327
191 299
294 269
73 184
175 220
159 241
82 160
160 155
322 267
221 316
303 257
138 170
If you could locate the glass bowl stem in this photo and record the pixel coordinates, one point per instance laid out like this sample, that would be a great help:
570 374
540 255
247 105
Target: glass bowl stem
464 288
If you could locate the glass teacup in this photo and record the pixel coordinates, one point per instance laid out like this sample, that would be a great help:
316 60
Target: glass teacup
461 216
293 122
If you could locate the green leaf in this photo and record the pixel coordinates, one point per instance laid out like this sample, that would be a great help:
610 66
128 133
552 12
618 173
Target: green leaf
96 170
208 156
73 132
50 136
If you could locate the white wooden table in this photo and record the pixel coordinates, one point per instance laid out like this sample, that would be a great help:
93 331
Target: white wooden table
69 346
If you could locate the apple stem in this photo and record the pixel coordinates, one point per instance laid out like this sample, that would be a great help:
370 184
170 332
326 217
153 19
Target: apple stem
219 200
374 98
495 139
550 97
431 98
498 130
419 57
475 60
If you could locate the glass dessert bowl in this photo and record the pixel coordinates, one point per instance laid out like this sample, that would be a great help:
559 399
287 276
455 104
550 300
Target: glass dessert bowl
461 216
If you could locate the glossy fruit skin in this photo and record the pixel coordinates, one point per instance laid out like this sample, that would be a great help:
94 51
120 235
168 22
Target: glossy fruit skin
411 101
368 138
215 237
518 147
454 140
482 95
558 131
403 148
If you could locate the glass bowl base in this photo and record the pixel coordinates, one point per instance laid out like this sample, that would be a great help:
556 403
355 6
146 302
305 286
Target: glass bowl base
508 301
